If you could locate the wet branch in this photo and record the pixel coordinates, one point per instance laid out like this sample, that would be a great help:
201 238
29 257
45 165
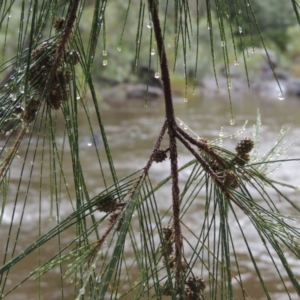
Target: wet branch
165 76
65 37
175 132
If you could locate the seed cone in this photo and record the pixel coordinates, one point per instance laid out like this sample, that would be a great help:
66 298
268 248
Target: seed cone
230 180
241 160
244 146
59 24
160 156
108 204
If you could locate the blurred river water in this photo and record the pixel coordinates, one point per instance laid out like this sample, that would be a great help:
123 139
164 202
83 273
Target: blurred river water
131 131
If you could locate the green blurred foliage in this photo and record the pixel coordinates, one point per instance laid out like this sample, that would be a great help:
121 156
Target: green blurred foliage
272 17
276 21
120 64
293 50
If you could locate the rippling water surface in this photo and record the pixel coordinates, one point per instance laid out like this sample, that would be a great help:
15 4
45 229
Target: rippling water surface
131 132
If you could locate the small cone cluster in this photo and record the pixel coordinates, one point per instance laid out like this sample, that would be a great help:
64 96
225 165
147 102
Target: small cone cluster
56 88
193 286
109 205
43 58
160 155
242 149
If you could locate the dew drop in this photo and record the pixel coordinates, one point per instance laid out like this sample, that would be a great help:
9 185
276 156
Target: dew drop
89 143
82 291
13 97
240 11
229 85
221 134
240 29
104 62
208 27
150 25
232 122
98 279
281 96
185 100
78 98
222 43
253 51
119 49
236 63
156 75
22 89
169 45
185 127
152 51
104 52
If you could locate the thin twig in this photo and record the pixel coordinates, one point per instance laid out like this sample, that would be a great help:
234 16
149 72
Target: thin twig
203 146
65 37
131 193
200 159
208 170
156 147
165 76
12 153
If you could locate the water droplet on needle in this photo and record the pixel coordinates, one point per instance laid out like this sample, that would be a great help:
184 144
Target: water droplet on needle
281 96
221 134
